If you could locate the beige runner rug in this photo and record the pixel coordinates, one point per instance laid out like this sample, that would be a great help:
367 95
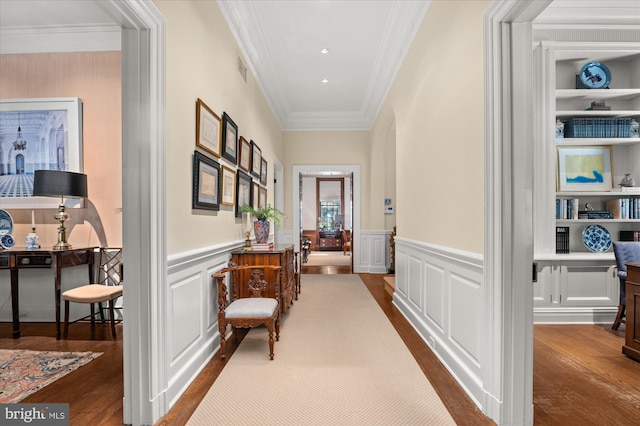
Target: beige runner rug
339 361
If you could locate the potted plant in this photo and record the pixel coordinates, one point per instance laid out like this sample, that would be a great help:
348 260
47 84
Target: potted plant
263 215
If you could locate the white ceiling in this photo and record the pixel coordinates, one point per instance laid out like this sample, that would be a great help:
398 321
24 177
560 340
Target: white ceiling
281 43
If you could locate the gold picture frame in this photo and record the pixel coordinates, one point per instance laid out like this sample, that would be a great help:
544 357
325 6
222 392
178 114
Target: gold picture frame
208 129
228 192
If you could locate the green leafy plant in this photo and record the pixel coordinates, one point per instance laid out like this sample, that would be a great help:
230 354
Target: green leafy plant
264 213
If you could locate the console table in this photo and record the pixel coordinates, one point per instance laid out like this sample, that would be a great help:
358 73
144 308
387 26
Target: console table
631 346
282 255
330 240
18 258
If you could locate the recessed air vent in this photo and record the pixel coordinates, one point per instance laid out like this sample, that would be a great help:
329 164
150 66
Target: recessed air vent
242 69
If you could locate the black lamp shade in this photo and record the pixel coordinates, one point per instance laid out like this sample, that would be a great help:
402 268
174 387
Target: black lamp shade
58 183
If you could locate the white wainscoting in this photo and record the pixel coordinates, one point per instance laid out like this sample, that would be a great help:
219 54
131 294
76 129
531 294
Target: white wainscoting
440 291
192 336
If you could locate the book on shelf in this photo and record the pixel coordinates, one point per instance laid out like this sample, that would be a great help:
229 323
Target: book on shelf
562 239
567 208
624 208
629 189
629 235
598 127
262 246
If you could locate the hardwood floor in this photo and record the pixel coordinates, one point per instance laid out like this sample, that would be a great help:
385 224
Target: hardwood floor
580 375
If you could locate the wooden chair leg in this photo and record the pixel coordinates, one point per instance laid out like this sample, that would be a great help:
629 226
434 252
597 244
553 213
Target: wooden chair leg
113 320
93 313
222 328
619 315
271 328
66 319
278 329
101 311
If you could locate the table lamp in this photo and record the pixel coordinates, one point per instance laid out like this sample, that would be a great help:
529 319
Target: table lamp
58 183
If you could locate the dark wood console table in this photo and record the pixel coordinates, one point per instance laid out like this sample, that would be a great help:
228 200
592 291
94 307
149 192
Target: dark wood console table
18 258
329 240
631 346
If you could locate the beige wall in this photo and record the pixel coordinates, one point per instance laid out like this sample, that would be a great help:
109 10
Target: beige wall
202 63
436 103
326 147
93 77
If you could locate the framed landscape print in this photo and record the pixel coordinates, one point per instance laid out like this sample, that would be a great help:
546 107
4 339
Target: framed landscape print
229 139
256 159
206 183
208 129
243 191
244 160
38 133
584 168
263 172
228 197
255 195
263 197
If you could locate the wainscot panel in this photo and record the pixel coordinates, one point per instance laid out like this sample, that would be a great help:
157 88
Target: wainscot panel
439 290
192 330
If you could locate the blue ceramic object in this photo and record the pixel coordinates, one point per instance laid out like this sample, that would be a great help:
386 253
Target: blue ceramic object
596 238
6 222
595 75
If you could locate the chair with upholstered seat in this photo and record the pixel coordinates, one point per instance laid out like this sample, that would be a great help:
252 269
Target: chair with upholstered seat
107 288
253 302
625 252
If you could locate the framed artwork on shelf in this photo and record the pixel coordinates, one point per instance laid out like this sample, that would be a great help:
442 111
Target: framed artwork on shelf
243 191
263 197
208 129
244 158
43 134
256 159
206 183
229 139
255 195
228 197
263 172
584 168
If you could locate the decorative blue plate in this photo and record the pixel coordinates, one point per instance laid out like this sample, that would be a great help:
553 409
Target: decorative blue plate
6 222
7 241
596 238
595 75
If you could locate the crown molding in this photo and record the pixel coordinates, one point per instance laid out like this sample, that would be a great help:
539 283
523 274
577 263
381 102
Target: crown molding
69 38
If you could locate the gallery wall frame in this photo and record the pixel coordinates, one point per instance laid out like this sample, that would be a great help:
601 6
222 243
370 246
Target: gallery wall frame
584 168
229 139
263 172
255 195
228 196
206 183
208 129
256 159
244 159
52 130
262 202
243 191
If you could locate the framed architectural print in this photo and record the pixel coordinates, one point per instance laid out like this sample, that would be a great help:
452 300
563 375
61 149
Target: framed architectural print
244 159
256 159
229 139
38 133
228 196
255 195
584 168
263 172
243 191
206 183
208 129
262 197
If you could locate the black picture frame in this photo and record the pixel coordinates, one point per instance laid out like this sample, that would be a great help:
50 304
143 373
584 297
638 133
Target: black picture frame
263 172
206 183
243 191
244 159
229 139
256 159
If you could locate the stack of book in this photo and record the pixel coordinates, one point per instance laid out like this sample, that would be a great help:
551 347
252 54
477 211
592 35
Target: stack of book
262 247
562 239
624 208
629 235
567 208
598 127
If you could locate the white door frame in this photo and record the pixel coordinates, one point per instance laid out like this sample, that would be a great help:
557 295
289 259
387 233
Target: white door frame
508 373
355 221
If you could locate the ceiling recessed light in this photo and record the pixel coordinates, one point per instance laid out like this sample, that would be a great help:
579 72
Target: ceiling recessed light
325 50
324 80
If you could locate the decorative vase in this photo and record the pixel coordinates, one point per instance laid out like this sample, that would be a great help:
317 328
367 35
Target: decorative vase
627 180
261 231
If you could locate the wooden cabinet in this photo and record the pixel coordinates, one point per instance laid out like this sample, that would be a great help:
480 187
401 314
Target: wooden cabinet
282 255
330 240
631 346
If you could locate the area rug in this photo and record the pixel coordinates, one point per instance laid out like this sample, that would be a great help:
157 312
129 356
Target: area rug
339 361
24 372
328 258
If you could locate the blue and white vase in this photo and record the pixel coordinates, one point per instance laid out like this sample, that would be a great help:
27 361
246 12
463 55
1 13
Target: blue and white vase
261 231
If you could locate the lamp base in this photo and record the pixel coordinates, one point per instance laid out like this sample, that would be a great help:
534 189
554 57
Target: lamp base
62 216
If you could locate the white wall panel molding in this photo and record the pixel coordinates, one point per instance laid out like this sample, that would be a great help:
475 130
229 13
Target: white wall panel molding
76 38
437 290
374 254
593 33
